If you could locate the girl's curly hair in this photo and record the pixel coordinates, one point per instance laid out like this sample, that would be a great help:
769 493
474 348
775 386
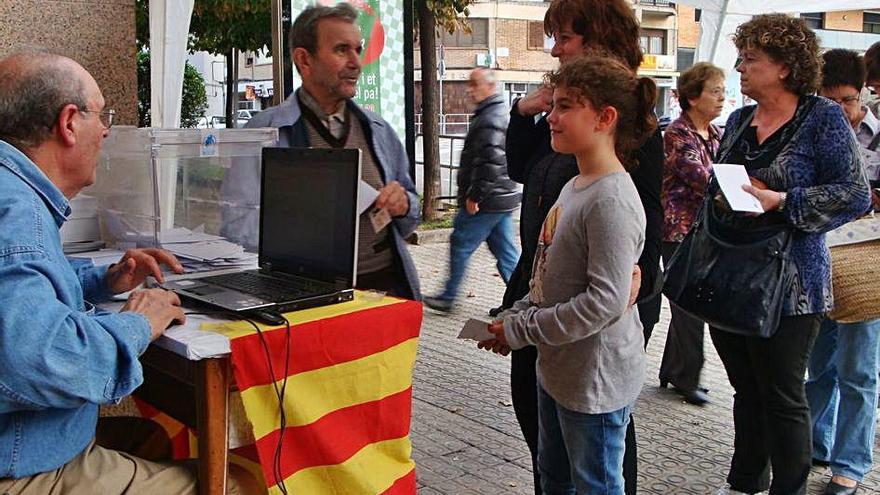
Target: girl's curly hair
608 82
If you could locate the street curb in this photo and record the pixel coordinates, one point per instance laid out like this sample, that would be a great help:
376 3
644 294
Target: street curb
433 236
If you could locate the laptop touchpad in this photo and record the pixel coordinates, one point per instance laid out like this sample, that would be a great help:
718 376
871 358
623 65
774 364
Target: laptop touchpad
205 290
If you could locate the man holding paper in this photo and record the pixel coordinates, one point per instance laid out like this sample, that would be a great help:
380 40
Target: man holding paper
325 46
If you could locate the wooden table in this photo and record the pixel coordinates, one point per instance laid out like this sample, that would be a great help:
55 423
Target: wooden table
196 393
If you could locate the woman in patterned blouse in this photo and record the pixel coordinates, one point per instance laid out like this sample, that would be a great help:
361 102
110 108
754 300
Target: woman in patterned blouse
690 144
801 154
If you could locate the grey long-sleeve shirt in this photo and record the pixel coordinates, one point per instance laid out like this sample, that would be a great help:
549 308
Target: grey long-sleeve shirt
590 345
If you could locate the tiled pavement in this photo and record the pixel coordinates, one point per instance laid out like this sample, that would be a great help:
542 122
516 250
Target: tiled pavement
465 436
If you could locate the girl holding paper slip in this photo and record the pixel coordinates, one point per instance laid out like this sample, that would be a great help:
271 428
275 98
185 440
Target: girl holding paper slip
806 172
578 313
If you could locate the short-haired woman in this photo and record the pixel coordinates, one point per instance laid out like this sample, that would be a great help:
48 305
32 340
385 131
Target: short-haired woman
690 144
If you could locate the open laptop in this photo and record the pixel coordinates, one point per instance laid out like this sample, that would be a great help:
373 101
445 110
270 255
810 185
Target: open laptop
308 237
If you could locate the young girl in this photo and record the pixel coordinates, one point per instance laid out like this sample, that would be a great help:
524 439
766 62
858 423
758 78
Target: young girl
590 345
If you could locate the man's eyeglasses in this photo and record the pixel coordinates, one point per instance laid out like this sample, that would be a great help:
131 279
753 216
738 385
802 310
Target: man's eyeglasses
106 116
846 100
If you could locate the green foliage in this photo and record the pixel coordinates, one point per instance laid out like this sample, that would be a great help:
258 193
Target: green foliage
195 100
218 26
446 13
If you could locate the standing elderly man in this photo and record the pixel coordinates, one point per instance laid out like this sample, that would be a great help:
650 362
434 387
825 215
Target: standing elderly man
486 195
59 357
325 46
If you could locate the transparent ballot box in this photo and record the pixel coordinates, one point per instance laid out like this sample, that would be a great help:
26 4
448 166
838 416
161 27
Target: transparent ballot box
195 192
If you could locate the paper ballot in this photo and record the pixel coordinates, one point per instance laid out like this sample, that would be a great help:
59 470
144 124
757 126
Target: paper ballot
731 178
475 329
366 196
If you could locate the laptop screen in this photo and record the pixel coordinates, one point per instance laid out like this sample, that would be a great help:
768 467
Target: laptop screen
308 213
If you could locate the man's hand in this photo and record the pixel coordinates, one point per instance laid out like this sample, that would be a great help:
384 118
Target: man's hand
471 206
539 100
393 198
135 265
161 307
769 199
636 285
499 344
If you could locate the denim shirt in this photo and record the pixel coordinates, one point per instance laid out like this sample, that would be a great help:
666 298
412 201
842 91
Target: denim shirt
58 359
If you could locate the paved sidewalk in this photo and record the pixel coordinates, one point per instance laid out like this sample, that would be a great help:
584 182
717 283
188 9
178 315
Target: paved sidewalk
465 436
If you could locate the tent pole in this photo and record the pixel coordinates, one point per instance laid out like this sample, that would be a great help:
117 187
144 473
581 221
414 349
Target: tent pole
719 33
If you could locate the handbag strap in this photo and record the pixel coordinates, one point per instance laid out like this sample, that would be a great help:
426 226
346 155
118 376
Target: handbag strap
727 144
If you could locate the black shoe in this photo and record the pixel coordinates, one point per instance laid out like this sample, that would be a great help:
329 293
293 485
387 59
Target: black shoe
496 311
696 397
833 488
437 304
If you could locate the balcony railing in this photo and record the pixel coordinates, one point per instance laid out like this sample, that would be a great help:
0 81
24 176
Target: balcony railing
656 3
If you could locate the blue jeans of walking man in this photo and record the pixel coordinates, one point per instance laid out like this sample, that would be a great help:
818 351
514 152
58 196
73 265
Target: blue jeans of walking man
842 392
469 231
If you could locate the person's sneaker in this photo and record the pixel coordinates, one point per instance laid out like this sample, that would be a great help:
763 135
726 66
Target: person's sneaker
437 304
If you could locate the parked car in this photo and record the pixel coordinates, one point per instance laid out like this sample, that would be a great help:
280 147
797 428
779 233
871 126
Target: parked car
243 116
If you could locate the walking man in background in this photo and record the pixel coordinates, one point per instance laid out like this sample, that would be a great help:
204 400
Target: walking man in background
486 194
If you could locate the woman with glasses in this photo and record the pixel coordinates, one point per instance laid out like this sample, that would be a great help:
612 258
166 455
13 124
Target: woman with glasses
690 144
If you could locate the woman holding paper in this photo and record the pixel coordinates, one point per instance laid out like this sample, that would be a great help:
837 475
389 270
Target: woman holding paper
690 144
805 170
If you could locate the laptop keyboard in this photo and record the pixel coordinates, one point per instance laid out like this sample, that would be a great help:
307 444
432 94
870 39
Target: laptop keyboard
271 289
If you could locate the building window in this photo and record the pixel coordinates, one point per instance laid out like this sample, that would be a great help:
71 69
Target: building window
685 58
477 38
871 22
536 35
815 20
653 41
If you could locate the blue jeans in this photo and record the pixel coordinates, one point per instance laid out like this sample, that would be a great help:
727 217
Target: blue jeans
580 453
842 391
469 231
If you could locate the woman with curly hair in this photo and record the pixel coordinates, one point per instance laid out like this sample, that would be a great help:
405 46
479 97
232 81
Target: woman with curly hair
804 164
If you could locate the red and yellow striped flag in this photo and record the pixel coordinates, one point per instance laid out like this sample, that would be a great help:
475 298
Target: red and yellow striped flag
348 400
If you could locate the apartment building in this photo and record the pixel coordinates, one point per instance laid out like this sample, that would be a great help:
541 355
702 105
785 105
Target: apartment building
508 36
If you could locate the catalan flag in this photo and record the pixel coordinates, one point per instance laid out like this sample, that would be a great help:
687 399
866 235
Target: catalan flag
348 399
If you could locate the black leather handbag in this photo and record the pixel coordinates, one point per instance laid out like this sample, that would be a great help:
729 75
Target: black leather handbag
733 285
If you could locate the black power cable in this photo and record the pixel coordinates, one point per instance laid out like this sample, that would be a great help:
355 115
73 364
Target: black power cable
279 391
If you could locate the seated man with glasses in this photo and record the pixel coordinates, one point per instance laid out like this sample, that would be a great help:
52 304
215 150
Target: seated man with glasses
106 116
60 358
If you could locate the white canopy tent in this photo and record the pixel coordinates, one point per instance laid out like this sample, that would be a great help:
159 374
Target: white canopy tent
720 18
169 31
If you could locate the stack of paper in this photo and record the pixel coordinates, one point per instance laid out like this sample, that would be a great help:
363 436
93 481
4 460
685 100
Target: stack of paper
199 251
80 231
101 257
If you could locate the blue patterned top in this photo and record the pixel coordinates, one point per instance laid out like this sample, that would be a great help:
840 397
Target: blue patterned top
820 169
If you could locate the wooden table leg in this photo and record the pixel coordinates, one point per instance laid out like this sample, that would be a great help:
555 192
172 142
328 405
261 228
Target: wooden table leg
212 417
